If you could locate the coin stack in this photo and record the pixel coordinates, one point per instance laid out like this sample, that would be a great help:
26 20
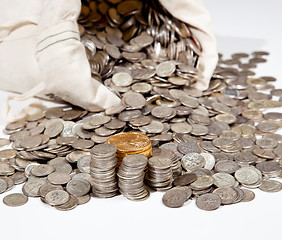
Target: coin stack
103 171
131 177
130 143
176 164
159 175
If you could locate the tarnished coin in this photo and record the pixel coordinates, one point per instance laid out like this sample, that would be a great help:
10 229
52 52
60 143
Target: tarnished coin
83 164
42 170
181 128
240 193
82 144
54 129
57 197
226 194
69 205
266 126
174 198
159 162
15 200
226 166
83 199
18 178
32 186
208 202
185 179
274 116
78 187
31 141
59 178
6 169
226 117
188 147
249 195
99 120
267 143
3 185
153 127
7 154
4 142
202 182
47 187
162 112
115 124
141 121
63 167
271 186
199 130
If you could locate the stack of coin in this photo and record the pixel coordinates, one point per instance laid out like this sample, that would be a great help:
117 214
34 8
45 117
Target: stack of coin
130 143
103 170
176 164
159 175
131 177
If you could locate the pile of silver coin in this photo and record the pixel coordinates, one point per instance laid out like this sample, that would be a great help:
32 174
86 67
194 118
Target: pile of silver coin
125 40
213 146
131 177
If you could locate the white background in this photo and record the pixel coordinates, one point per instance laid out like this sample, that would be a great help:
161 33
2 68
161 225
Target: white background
240 26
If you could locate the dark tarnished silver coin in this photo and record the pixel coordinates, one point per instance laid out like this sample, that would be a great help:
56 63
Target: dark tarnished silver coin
185 179
57 197
78 187
208 202
69 205
249 195
174 198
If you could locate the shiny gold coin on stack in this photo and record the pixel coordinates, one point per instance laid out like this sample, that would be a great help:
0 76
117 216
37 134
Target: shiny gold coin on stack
130 143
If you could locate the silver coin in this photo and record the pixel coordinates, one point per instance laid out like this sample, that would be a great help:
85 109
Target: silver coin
246 175
122 79
78 187
15 200
42 170
59 178
165 69
69 205
223 180
32 186
57 197
3 185
191 161
208 202
174 198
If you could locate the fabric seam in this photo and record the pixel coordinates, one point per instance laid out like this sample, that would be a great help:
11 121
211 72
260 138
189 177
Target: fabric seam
74 38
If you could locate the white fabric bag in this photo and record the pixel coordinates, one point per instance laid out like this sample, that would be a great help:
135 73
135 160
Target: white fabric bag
197 16
41 53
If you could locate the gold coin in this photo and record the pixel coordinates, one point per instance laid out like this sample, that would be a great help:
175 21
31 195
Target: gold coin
130 142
